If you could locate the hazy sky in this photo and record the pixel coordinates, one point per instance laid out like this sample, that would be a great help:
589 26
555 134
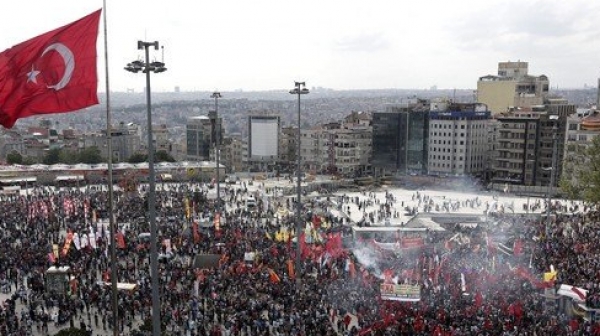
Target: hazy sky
267 44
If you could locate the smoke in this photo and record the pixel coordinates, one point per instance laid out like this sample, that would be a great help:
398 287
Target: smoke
368 257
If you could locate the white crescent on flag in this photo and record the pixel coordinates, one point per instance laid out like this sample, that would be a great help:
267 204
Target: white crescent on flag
68 59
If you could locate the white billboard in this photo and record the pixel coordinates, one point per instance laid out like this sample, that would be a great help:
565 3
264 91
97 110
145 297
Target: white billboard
264 137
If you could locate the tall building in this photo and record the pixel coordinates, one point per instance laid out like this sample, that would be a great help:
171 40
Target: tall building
126 141
200 137
342 148
400 138
457 138
512 87
264 130
581 131
231 153
526 139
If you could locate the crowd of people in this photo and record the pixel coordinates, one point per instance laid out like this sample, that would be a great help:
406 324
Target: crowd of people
469 285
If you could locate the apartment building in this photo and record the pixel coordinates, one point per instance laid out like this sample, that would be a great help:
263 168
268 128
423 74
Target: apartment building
527 140
201 136
512 87
457 138
581 131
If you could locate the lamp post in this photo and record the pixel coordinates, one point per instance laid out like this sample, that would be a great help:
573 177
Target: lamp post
216 95
147 67
553 170
299 89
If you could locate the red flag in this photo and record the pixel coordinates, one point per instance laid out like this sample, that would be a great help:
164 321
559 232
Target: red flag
518 247
120 240
291 272
68 241
52 73
273 276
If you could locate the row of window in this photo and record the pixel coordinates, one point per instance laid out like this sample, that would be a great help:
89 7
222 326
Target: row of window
449 126
450 142
449 157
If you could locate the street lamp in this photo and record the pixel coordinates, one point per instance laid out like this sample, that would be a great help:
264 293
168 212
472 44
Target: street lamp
299 90
216 95
552 169
147 67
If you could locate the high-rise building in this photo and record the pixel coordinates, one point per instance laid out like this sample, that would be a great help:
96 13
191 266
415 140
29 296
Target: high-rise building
457 138
264 130
581 131
400 138
512 87
200 137
526 144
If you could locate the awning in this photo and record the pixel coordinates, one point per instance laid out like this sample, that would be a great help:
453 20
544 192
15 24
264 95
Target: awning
17 179
69 178
123 286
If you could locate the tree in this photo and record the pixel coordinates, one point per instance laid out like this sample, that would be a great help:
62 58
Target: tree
90 155
52 156
137 158
14 157
589 177
163 156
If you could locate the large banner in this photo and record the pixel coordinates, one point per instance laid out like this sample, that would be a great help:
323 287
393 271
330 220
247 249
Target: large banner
411 293
412 242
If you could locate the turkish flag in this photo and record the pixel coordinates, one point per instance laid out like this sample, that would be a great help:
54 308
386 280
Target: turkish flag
52 73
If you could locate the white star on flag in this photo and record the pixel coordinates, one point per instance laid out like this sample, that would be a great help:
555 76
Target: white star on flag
32 75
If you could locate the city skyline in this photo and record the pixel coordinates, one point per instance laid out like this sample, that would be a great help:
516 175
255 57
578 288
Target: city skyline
266 45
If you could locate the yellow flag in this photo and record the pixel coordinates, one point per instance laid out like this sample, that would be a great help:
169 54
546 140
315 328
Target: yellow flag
550 276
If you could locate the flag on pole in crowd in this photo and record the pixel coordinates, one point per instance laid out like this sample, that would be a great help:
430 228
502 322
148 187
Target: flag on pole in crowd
67 244
273 276
120 240
291 272
217 223
55 249
52 73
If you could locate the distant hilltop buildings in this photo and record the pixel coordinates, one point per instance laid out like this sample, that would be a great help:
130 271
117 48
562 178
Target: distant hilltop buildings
508 136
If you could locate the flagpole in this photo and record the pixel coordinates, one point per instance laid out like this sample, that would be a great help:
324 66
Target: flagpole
111 217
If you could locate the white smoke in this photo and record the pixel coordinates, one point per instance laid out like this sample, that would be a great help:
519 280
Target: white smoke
368 258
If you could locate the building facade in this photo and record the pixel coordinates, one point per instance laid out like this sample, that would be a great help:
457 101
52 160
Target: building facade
400 138
264 130
581 131
528 140
201 136
457 139
512 87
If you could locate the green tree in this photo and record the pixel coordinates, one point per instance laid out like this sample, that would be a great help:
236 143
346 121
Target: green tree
52 156
14 157
28 161
72 332
137 158
589 177
90 155
163 156
68 157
